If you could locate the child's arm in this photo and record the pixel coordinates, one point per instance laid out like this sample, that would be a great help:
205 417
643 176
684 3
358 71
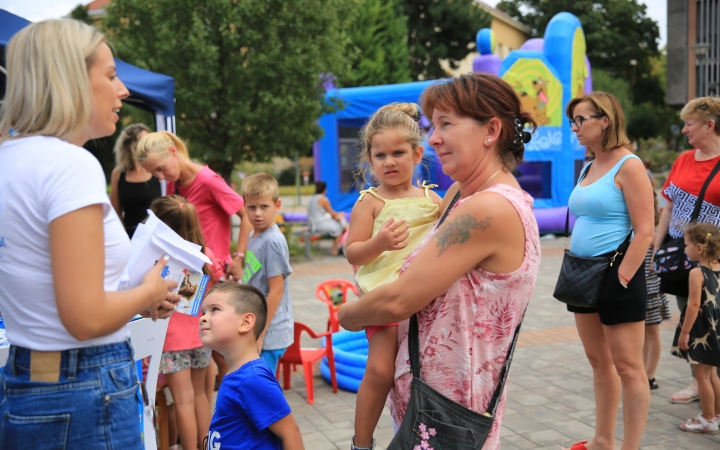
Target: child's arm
361 248
288 431
691 312
276 287
436 199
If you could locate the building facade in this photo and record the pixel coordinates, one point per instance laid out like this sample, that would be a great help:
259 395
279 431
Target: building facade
693 50
510 35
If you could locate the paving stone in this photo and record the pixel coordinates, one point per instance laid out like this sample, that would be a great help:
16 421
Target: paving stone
550 398
545 437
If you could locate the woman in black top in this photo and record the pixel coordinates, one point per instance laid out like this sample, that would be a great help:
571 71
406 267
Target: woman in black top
132 188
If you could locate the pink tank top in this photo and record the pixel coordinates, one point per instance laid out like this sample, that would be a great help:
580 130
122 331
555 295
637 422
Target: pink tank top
466 332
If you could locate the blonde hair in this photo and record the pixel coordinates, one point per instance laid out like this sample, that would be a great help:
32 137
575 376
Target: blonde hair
609 106
48 87
260 185
704 109
125 146
182 217
157 145
708 236
402 118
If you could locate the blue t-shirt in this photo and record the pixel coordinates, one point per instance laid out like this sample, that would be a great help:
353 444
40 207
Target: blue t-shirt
603 222
248 402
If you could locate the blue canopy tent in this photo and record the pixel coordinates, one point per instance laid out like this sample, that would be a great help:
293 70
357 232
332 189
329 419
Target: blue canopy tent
335 153
151 91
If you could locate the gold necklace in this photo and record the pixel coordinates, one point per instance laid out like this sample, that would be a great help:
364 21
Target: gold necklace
486 181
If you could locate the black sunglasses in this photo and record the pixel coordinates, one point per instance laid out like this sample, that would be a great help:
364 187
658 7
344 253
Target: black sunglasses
578 120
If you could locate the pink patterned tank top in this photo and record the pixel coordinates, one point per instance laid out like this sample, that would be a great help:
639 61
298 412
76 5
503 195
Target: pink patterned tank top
466 332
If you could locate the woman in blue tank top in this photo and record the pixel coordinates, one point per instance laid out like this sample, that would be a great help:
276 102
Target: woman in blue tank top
613 198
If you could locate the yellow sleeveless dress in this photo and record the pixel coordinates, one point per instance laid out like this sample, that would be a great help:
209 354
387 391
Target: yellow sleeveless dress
420 213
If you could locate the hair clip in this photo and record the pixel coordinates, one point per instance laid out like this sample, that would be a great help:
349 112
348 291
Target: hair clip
416 117
709 235
521 136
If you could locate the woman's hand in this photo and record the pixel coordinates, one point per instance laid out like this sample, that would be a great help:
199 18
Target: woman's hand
393 235
343 315
163 302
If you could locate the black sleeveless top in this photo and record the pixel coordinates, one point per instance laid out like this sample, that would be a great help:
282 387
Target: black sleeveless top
135 199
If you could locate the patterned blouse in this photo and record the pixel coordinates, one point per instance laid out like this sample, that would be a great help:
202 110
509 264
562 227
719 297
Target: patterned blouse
465 333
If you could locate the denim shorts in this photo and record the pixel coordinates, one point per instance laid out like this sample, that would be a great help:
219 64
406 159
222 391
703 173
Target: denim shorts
93 405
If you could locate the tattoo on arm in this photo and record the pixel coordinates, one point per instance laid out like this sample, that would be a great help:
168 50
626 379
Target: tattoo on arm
458 231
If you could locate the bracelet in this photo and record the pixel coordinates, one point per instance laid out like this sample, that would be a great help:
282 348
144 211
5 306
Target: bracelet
623 278
240 254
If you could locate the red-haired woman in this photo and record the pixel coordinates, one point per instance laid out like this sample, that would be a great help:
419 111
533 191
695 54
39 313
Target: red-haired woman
469 309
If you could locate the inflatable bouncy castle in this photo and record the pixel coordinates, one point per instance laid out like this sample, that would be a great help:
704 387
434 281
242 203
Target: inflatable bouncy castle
545 73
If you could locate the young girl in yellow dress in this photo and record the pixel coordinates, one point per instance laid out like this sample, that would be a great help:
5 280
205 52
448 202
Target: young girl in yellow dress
385 227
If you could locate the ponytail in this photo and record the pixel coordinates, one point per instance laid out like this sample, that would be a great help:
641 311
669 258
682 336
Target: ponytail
157 145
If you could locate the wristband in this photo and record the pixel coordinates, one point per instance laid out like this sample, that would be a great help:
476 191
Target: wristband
240 254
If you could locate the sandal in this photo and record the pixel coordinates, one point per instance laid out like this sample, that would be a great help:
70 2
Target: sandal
685 396
578 446
653 384
703 426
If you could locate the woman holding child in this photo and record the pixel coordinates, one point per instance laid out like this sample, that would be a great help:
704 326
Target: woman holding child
470 280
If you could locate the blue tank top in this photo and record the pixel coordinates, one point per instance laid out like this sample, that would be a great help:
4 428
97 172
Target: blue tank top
603 221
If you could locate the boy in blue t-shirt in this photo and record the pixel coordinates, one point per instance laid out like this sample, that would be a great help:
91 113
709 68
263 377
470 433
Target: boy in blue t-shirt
250 410
267 265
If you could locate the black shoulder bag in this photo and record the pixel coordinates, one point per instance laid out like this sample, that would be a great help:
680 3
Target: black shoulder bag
435 419
671 263
581 279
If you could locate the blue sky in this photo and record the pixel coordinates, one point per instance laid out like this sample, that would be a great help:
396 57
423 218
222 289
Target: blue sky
35 10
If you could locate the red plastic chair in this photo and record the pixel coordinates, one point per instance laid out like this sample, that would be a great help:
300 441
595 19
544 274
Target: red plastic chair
307 357
324 293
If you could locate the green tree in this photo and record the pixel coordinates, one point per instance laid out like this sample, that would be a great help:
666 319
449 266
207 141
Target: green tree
379 49
441 30
621 38
81 13
620 88
247 72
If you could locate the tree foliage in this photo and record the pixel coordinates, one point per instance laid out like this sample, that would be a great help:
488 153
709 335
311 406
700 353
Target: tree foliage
621 38
441 30
247 72
378 45
81 13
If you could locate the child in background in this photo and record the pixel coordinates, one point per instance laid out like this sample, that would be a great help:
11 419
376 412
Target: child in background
184 360
696 338
657 310
384 228
267 265
251 411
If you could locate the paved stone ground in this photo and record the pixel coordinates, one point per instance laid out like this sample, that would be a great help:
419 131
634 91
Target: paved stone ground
550 397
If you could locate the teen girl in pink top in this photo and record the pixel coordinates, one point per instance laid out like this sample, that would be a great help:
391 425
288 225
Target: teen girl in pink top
164 155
